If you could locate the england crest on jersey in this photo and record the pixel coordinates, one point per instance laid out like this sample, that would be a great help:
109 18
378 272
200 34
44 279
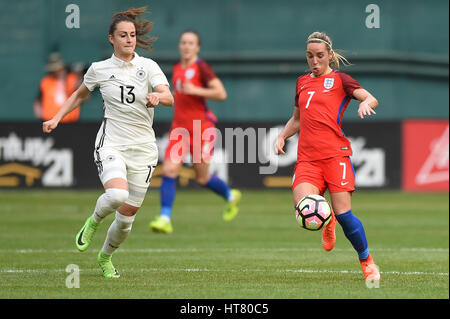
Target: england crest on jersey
190 74
328 83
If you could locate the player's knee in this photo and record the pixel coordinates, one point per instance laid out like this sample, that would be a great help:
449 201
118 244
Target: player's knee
116 196
170 172
202 180
170 169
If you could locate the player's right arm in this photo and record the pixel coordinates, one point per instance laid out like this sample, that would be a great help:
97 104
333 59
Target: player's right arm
292 127
76 99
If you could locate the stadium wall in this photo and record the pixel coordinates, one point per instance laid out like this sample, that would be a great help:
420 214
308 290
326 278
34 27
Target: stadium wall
387 155
256 47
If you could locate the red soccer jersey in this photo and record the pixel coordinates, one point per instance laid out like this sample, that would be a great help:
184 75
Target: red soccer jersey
191 107
322 102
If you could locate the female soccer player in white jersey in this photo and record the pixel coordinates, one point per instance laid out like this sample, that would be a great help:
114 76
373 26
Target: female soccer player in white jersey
125 149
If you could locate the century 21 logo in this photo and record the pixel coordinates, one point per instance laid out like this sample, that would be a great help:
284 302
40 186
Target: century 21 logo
34 158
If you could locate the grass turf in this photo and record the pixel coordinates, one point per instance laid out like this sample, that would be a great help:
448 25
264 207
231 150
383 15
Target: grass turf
262 254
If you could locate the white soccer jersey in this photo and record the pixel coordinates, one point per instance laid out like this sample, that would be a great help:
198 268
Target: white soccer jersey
124 87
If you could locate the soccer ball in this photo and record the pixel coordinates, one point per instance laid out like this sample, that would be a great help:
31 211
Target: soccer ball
313 212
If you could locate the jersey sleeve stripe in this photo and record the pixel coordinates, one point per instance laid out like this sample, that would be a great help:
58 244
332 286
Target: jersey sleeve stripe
343 103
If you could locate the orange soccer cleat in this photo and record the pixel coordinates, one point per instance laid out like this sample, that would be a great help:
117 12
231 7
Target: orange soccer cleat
369 269
329 234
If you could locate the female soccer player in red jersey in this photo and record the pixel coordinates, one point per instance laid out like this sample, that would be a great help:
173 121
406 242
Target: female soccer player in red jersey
194 81
323 156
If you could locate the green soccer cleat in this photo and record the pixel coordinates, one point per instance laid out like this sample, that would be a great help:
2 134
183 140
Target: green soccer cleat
161 225
84 236
232 209
106 265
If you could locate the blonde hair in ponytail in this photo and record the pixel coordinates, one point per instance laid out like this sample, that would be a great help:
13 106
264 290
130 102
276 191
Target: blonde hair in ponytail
322 37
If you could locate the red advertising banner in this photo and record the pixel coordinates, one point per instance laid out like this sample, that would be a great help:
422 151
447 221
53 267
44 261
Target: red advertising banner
425 155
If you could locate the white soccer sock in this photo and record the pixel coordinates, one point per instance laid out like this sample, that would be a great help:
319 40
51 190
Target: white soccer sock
108 202
117 232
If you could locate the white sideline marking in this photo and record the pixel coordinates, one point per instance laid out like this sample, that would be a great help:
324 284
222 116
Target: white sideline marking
310 271
187 250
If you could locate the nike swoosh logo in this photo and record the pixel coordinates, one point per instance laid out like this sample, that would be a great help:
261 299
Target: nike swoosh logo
79 238
343 184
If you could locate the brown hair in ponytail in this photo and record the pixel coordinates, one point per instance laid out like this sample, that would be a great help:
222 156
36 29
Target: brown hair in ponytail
142 26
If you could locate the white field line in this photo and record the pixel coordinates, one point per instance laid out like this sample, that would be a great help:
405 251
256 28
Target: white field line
309 271
186 250
190 250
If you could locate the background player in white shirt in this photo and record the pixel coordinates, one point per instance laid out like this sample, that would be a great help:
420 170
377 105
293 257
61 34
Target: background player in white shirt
125 149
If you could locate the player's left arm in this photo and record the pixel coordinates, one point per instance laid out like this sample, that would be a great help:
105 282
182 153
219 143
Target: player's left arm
212 87
214 90
368 102
161 95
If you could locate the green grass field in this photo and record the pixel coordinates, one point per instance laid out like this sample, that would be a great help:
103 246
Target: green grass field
262 254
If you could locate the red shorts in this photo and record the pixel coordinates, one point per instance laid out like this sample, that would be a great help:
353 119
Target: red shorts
335 173
198 139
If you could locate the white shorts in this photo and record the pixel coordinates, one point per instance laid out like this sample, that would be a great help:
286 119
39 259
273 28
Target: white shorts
135 164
